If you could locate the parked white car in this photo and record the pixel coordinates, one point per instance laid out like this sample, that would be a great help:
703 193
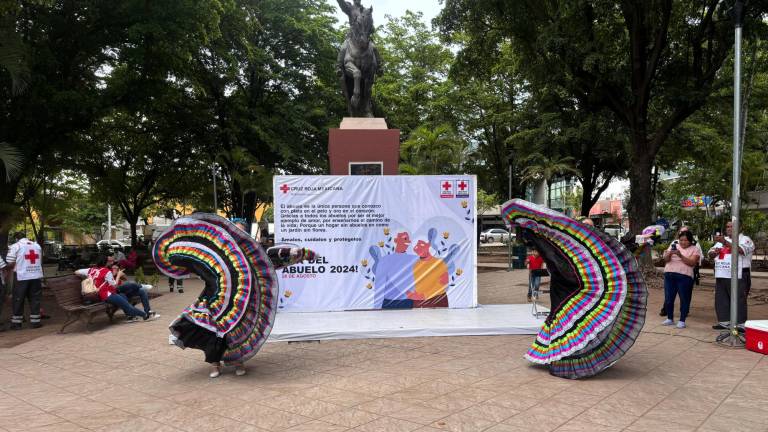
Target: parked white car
112 244
614 230
495 235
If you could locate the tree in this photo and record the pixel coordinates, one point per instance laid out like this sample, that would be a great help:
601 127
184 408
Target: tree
652 64
555 124
412 90
266 88
544 168
51 94
437 150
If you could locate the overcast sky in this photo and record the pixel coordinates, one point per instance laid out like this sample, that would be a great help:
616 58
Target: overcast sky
396 8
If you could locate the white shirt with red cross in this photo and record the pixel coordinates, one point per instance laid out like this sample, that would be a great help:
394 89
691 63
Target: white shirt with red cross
28 258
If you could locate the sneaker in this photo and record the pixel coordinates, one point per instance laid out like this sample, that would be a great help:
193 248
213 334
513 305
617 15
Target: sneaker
663 311
681 324
133 319
667 322
240 370
147 287
151 316
181 290
215 372
720 326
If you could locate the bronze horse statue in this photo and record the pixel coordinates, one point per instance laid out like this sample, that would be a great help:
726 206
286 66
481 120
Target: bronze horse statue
358 61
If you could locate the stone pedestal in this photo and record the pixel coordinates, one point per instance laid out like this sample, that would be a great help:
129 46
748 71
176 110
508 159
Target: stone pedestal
364 146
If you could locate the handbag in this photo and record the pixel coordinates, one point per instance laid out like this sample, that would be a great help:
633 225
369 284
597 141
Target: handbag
89 291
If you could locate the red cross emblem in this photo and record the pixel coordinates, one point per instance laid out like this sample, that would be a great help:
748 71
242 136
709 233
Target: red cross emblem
285 188
462 185
32 256
446 186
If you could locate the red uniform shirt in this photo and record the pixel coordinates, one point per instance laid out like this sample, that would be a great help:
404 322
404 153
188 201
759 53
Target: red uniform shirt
535 262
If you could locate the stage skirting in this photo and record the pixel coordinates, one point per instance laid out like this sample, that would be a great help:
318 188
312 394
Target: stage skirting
480 321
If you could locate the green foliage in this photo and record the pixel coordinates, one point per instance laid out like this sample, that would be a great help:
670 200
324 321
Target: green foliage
413 89
486 201
539 167
660 247
138 275
268 215
754 223
705 244
11 160
437 150
650 65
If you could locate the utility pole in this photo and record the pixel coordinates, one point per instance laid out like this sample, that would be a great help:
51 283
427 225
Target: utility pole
109 221
731 337
215 198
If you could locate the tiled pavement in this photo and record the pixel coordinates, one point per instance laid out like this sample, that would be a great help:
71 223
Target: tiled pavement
125 377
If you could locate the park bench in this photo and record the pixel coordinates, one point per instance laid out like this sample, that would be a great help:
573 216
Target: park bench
66 291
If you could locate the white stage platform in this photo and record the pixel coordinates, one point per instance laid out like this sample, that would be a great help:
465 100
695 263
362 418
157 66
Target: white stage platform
480 321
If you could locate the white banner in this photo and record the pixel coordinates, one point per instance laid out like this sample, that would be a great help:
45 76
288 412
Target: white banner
385 242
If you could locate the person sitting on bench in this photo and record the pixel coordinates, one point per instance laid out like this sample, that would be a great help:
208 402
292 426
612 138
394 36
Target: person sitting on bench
118 296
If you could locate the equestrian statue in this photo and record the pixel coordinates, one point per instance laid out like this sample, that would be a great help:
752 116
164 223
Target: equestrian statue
358 61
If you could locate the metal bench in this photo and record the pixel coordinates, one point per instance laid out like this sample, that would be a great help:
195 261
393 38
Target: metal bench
66 291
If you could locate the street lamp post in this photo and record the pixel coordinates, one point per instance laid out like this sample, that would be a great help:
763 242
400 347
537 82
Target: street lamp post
215 198
731 337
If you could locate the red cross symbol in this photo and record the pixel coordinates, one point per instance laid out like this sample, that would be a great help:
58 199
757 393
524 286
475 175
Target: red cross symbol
285 188
32 257
462 185
446 186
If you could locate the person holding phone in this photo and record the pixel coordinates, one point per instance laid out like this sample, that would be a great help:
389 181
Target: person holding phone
681 258
721 253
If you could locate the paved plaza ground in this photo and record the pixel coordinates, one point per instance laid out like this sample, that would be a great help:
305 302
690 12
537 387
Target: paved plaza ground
125 377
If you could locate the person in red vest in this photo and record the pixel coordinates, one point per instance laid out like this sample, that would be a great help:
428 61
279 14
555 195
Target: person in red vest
535 264
27 258
110 292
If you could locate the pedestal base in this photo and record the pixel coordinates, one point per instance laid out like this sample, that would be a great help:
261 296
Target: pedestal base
364 143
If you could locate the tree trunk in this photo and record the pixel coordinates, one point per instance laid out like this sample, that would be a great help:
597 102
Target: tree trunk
236 197
587 188
249 208
640 197
8 211
134 235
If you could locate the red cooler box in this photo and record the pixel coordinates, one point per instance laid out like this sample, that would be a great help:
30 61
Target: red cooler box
756 333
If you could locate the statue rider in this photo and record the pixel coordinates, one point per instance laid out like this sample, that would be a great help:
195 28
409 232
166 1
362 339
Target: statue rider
355 65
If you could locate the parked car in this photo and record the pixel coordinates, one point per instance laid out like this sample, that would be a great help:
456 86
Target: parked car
495 235
111 245
614 230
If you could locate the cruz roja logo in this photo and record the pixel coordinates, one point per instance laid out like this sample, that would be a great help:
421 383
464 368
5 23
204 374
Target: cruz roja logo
446 188
462 188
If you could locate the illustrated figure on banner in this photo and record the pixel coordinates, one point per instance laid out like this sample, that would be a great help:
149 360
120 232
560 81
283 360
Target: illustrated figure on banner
358 62
403 280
